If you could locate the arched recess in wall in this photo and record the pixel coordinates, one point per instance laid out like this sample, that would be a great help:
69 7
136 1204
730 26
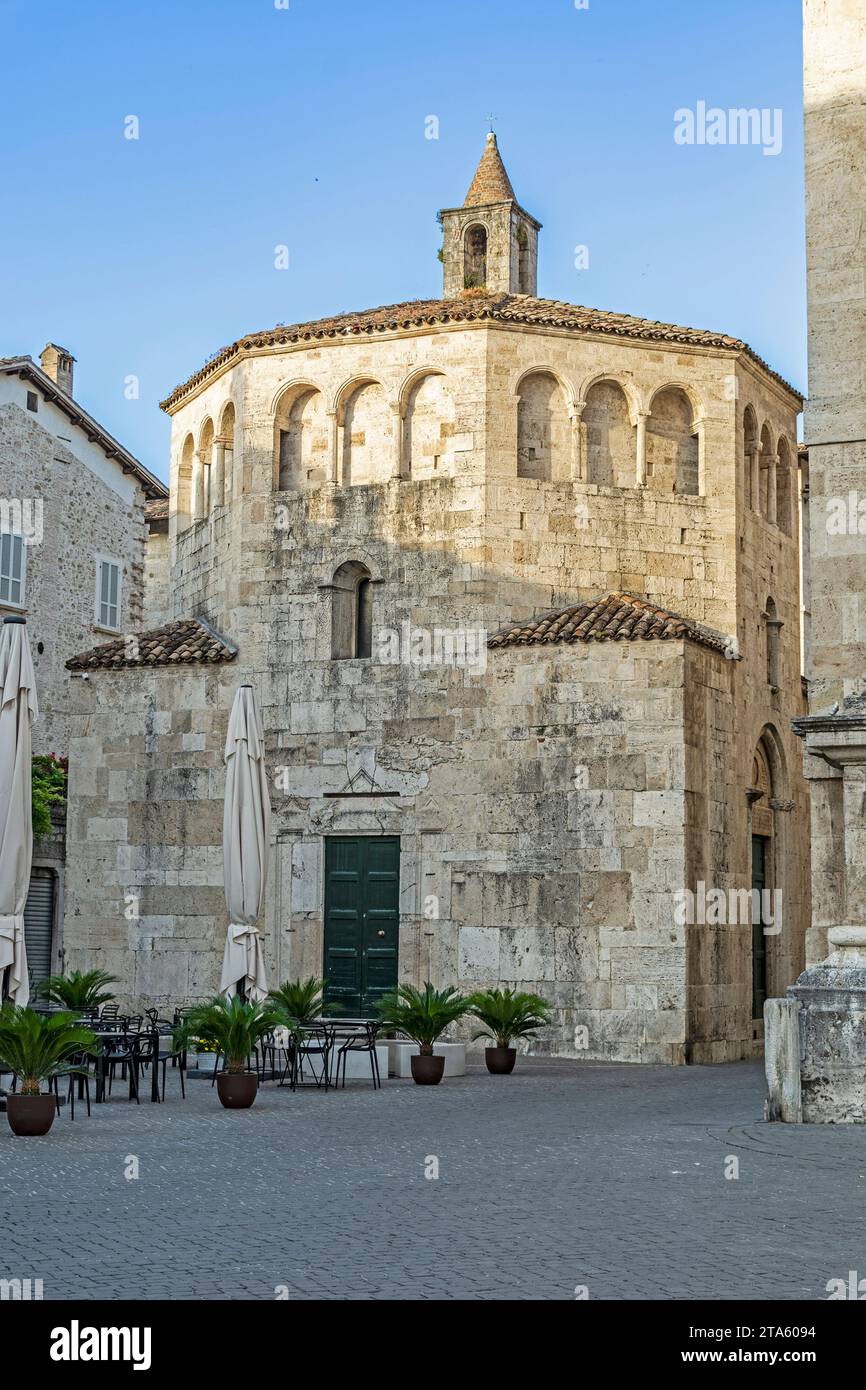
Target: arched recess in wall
750 462
543 429
351 612
772 644
203 487
429 428
226 443
475 257
608 436
301 437
764 476
184 483
672 449
368 436
784 488
776 944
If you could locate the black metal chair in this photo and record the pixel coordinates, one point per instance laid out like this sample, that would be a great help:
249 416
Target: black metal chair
355 1037
78 1080
118 1051
147 1053
310 1041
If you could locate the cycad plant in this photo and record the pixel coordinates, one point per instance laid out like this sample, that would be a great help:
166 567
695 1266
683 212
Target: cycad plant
507 1015
302 1000
78 990
235 1026
38 1047
423 1015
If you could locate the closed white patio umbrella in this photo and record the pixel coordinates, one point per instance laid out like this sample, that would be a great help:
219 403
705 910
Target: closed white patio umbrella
18 710
246 837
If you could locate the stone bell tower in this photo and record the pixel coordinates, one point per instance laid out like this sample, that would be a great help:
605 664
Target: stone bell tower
491 242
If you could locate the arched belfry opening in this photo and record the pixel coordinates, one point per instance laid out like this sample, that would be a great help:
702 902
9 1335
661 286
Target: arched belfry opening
490 242
475 257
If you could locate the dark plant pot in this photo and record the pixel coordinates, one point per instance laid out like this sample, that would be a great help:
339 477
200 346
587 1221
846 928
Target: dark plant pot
427 1071
237 1090
30 1114
500 1060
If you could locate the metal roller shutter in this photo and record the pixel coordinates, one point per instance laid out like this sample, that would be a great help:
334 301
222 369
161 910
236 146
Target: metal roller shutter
39 924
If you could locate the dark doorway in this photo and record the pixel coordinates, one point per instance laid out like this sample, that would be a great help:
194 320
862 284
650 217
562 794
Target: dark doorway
362 918
759 940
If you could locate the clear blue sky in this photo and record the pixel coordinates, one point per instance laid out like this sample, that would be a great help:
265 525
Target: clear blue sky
262 126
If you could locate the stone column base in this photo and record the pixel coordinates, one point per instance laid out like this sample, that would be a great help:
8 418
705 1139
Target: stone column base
832 999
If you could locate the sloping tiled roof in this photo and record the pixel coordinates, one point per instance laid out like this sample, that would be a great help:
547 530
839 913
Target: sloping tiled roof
188 642
614 618
26 368
474 308
491 183
157 510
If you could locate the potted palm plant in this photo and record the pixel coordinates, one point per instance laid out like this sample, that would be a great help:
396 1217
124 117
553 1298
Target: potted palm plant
235 1026
78 990
36 1048
302 1000
423 1016
507 1015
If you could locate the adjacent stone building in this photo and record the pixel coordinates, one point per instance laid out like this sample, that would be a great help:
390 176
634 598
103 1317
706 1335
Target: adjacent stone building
832 993
72 547
517 585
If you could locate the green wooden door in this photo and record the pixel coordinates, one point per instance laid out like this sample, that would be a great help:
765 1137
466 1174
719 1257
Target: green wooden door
362 916
759 940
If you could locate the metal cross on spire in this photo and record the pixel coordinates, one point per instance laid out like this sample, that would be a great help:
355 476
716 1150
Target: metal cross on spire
492 120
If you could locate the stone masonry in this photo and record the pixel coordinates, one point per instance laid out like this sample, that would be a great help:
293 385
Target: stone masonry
551 798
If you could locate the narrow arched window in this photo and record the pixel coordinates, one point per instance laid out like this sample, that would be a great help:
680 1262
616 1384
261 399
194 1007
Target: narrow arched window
475 258
352 612
364 619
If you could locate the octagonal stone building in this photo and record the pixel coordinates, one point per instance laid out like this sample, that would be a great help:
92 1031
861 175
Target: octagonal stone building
517 585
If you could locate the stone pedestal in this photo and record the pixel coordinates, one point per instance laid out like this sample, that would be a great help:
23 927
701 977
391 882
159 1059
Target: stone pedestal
832 994
832 999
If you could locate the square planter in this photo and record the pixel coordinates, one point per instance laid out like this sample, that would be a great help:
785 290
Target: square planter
400 1055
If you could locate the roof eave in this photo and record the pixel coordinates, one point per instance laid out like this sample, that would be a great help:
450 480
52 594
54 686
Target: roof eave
27 369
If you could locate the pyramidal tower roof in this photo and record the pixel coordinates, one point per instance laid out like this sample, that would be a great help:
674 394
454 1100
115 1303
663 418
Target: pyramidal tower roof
491 183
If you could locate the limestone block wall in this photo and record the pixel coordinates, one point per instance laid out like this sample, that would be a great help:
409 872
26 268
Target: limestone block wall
157 606
81 517
726 720
541 812
540 542
835 149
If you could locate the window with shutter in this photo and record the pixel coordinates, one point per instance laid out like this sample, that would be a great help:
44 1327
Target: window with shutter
107 593
12 569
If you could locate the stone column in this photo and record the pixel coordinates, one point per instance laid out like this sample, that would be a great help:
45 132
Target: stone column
578 465
399 421
640 476
772 465
217 476
755 474
197 499
333 447
832 994
700 426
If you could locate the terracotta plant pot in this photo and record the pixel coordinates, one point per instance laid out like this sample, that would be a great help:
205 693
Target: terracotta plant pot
500 1060
427 1071
30 1114
237 1090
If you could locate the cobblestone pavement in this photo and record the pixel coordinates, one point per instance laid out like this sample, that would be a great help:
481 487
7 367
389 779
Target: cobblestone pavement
564 1174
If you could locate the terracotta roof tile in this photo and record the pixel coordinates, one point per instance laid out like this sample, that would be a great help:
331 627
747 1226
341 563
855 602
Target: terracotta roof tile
491 183
187 642
614 618
471 309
